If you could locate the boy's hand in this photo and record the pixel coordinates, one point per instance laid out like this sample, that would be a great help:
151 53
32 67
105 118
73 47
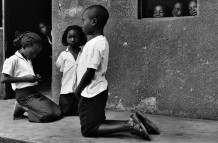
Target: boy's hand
77 94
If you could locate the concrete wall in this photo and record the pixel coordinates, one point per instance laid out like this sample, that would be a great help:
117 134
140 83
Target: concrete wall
2 95
163 66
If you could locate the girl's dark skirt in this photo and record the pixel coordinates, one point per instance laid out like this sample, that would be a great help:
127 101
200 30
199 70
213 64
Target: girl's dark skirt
92 113
69 104
40 108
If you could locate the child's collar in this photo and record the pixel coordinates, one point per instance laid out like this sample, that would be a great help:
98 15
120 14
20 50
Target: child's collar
19 55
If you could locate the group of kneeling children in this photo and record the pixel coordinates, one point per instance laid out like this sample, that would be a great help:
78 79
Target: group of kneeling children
84 88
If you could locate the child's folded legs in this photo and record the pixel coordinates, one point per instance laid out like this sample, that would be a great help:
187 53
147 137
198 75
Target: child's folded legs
19 111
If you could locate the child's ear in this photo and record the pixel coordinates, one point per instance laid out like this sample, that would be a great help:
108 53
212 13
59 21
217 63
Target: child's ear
94 21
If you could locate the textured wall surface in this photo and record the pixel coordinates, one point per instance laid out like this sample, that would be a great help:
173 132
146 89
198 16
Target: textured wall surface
2 95
163 66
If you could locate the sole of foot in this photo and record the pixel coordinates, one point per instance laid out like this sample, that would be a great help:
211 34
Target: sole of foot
150 126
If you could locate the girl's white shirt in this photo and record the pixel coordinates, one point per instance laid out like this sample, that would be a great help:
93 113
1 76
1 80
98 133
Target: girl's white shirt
18 66
68 66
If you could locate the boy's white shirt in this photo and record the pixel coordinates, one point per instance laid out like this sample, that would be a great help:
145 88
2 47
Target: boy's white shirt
18 66
67 65
94 55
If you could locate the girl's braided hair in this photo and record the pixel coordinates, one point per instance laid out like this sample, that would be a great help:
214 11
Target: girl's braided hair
26 39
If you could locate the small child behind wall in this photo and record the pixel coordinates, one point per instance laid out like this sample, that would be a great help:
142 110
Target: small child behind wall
92 89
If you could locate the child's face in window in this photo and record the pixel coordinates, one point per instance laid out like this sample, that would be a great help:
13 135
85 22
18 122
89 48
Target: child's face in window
192 8
159 11
177 10
73 38
32 51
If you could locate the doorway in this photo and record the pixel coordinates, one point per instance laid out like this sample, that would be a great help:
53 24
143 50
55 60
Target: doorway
21 16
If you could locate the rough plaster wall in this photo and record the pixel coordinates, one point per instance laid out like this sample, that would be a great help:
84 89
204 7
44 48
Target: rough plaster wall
163 66
2 95
64 13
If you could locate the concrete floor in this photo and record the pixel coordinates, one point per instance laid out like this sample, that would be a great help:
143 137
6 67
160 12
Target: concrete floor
67 130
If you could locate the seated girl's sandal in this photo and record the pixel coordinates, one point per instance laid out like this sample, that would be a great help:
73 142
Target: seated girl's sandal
18 111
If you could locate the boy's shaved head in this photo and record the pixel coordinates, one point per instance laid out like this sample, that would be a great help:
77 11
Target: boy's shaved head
100 13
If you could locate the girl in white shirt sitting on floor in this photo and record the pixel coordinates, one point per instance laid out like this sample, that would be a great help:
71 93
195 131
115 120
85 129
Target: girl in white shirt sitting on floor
73 37
18 71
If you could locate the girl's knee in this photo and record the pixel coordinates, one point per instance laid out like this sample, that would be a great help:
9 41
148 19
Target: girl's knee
49 118
53 111
51 115
56 111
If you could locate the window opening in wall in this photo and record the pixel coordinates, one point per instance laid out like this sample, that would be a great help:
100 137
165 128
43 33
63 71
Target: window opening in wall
167 8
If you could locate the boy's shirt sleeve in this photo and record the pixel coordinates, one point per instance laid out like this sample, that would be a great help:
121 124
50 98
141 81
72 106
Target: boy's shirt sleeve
94 56
8 67
60 62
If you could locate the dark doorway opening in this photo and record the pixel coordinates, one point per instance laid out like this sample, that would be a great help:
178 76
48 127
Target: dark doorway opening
25 15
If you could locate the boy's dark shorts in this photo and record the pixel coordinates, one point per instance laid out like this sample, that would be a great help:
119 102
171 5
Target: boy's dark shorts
92 113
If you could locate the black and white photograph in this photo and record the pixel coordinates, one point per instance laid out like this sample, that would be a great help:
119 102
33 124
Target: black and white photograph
109 71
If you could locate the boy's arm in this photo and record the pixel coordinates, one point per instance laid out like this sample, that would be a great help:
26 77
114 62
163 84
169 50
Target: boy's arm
5 78
86 79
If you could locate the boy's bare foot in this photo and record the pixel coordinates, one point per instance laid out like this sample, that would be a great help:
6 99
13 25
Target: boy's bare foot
150 127
19 111
138 128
